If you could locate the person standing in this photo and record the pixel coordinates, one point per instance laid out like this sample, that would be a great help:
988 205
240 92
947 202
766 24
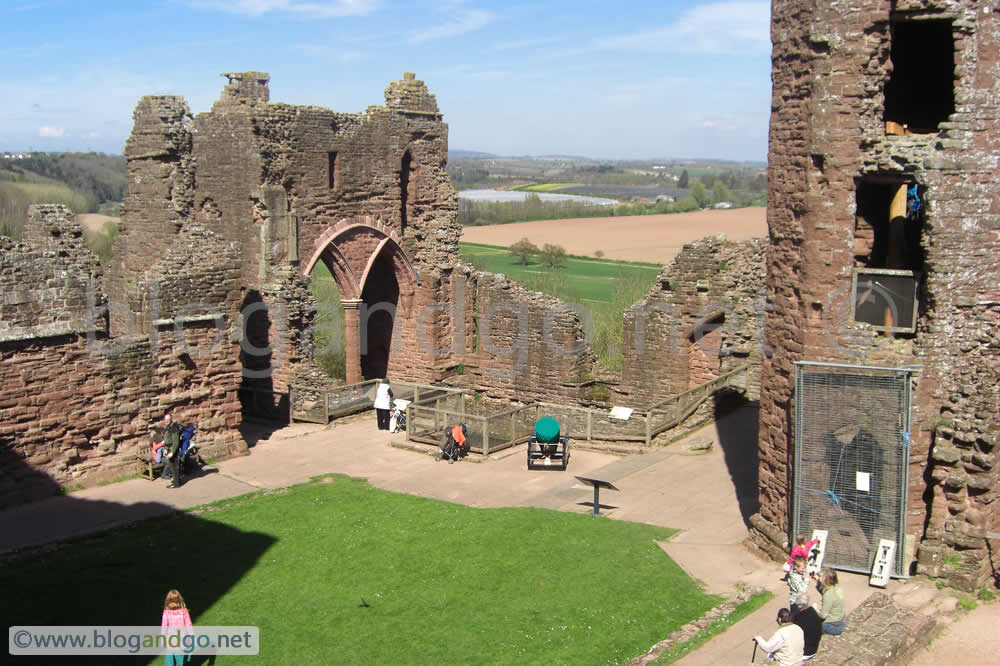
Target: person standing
787 643
831 609
383 403
175 618
172 440
798 586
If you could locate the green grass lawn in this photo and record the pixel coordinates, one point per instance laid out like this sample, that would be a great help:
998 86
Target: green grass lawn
579 279
443 583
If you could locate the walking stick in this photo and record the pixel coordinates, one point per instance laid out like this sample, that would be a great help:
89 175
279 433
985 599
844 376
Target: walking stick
753 660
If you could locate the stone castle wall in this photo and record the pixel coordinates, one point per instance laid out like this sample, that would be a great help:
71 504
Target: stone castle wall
702 317
829 141
75 404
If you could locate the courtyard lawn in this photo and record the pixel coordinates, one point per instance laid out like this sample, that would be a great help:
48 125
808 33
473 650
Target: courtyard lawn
335 571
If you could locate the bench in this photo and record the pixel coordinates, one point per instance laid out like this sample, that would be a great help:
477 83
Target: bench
146 467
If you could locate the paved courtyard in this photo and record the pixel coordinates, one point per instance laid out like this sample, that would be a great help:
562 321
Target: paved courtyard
707 496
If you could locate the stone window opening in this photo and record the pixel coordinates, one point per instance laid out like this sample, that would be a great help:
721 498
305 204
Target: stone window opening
920 92
888 254
333 171
405 166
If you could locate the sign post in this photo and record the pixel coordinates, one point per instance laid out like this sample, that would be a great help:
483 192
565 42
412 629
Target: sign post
597 484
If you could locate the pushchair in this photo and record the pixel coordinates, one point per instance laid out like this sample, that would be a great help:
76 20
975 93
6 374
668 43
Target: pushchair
455 445
397 418
547 446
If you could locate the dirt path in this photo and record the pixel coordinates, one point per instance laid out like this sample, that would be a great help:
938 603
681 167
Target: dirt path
652 238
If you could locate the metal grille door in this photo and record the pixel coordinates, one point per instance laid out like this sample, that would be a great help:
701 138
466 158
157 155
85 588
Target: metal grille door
852 428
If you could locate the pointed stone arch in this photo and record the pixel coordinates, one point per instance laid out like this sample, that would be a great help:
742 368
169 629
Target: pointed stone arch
366 259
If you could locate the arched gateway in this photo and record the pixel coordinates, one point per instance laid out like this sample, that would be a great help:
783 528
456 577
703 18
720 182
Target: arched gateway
377 284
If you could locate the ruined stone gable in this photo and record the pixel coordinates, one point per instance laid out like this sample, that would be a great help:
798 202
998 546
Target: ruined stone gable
702 317
365 193
877 107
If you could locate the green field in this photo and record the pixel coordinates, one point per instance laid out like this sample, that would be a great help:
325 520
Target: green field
578 280
341 572
605 288
543 187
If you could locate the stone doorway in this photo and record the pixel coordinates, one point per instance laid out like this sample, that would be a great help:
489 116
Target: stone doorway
380 300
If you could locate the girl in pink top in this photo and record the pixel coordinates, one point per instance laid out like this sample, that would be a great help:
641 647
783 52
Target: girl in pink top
175 615
801 548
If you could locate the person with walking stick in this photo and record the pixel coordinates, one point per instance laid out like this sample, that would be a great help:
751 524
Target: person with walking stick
787 644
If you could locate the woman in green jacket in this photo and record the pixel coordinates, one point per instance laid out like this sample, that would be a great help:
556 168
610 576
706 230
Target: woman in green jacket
831 609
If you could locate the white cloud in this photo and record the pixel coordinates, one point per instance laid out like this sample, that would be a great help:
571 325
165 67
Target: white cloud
467 21
739 28
309 8
45 130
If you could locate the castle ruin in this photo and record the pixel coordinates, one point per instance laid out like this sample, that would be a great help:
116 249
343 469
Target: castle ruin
207 297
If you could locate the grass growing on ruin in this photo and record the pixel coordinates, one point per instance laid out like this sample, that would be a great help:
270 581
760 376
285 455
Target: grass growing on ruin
328 331
601 289
335 571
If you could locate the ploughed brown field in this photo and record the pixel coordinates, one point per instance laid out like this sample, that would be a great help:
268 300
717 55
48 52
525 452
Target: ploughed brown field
652 238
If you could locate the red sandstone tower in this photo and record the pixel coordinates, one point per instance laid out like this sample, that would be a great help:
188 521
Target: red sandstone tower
879 391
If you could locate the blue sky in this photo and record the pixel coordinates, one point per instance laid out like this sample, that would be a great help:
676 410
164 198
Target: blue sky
631 79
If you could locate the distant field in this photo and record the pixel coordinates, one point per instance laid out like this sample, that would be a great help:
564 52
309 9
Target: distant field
95 222
650 238
580 280
544 187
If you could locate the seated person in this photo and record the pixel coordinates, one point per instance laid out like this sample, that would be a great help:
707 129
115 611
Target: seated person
159 451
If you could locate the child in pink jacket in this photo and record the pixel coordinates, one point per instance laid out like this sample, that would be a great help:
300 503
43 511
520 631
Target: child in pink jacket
800 549
175 615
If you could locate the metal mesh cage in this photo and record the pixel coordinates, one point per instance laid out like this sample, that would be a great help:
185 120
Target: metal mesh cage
850 460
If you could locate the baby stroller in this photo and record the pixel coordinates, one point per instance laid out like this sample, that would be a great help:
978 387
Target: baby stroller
397 418
455 445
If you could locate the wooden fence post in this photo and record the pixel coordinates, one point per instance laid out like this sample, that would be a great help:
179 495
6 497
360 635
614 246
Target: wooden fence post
590 424
486 437
326 406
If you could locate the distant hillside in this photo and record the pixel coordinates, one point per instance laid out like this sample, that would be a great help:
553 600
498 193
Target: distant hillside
471 154
86 182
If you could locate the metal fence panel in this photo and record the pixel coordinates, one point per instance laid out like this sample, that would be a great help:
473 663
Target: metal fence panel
850 461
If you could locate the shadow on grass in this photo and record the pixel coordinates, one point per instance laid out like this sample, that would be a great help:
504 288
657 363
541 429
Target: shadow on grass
117 577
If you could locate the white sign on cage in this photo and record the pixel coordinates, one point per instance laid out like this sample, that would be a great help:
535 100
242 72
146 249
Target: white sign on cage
814 562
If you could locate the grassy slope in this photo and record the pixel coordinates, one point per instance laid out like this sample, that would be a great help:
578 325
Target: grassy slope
444 583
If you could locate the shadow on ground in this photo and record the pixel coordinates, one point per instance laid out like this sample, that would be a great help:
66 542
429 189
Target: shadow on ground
121 577
736 424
